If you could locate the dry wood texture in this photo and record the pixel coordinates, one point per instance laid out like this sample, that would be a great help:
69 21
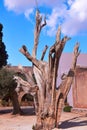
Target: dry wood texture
49 100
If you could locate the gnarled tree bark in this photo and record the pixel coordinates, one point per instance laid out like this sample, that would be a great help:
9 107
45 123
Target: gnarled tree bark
15 103
49 99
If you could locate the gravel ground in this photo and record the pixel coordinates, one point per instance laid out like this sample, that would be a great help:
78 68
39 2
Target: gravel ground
68 121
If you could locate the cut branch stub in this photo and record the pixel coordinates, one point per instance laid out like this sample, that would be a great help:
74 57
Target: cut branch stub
44 51
58 35
24 51
75 55
76 50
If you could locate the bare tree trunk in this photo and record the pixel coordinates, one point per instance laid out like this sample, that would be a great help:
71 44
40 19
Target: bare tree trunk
15 102
48 99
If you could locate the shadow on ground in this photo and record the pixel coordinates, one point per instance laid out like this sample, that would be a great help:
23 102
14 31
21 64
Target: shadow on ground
74 122
26 111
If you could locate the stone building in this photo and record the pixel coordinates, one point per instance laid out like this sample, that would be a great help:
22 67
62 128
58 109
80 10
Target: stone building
80 88
19 68
77 96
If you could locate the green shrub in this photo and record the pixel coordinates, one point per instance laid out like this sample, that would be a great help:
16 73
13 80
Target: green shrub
67 108
7 84
33 127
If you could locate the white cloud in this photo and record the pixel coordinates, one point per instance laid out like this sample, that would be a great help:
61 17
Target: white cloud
26 6
79 10
56 18
18 5
70 2
72 19
22 5
52 22
76 18
28 12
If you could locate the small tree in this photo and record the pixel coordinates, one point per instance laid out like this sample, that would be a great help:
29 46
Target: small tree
7 87
48 99
3 52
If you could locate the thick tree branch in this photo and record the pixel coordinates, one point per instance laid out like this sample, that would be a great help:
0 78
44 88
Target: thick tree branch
38 64
38 28
66 83
58 51
58 35
29 75
76 54
44 52
26 86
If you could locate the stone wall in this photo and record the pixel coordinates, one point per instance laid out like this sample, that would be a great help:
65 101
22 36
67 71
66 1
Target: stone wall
80 88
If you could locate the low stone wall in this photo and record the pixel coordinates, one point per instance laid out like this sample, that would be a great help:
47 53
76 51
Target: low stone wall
79 110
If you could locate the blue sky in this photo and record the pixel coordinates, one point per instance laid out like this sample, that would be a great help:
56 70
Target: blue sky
18 19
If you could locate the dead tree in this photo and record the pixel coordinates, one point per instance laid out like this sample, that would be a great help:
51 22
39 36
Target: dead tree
49 100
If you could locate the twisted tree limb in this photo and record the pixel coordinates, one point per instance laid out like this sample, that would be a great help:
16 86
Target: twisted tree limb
65 86
26 86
